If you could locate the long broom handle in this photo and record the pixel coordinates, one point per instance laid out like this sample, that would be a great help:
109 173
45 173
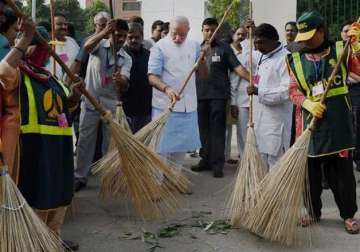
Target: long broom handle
113 36
101 109
113 49
202 54
251 106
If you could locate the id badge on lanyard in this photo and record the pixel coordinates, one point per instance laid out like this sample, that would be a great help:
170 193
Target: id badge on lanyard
318 89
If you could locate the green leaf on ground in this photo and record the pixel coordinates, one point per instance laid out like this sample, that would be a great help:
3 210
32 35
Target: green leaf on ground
218 227
170 231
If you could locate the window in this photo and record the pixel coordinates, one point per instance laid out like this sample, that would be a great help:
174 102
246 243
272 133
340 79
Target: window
131 6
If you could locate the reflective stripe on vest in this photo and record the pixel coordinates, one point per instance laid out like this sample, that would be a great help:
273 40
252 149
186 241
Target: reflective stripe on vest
33 126
301 76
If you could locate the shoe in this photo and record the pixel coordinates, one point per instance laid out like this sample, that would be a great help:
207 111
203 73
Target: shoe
200 167
78 185
71 246
232 161
218 174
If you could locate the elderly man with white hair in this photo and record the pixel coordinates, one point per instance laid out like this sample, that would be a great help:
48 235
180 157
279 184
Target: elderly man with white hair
171 60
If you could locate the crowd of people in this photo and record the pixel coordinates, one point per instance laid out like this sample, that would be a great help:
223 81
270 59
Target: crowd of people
40 105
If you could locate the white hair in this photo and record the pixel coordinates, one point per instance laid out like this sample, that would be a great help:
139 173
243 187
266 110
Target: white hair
180 20
101 15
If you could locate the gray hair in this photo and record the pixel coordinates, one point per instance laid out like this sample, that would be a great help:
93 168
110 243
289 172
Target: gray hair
135 27
180 20
101 15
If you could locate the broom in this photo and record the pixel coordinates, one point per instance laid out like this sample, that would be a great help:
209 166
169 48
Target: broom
151 133
251 169
140 165
21 229
110 173
284 191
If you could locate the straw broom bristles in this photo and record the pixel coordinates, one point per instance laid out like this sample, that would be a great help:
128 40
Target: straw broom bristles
120 117
151 133
281 194
129 178
21 229
251 169
250 172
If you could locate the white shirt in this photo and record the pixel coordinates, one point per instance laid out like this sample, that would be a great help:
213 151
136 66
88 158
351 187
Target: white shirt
173 63
67 52
239 96
273 111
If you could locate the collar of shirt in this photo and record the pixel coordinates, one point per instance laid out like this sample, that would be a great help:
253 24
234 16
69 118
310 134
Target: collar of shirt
267 56
108 45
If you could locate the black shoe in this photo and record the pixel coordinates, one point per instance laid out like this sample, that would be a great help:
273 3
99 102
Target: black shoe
71 246
78 185
200 167
218 174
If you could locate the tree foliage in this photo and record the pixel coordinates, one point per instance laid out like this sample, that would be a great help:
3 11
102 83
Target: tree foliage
238 14
69 8
335 12
90 13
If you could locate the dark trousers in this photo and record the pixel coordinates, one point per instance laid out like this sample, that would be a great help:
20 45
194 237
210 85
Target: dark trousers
339 173
212 126
356 128
137 122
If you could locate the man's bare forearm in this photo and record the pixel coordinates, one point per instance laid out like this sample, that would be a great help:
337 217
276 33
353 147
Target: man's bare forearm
242 72
93 41
157 83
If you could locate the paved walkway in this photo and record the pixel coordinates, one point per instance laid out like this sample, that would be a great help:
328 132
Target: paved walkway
107 226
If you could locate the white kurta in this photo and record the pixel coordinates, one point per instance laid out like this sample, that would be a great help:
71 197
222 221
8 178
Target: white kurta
67 52
273 111
172 63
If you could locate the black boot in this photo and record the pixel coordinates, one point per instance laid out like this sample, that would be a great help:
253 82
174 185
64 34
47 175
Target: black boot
201 166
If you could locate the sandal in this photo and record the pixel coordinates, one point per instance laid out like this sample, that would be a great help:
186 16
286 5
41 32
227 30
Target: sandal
351 226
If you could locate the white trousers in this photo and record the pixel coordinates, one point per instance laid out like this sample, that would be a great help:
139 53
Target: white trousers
241 126
269 160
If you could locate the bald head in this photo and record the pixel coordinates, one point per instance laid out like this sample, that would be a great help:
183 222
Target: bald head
179 28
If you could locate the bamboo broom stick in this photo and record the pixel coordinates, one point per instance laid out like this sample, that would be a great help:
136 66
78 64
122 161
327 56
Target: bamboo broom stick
251 168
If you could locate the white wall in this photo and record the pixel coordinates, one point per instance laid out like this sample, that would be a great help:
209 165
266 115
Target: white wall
275 12
164 10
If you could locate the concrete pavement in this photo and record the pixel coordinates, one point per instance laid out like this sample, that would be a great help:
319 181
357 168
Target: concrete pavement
114 226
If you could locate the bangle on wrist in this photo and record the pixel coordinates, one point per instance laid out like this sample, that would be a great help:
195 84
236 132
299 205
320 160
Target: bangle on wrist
20 50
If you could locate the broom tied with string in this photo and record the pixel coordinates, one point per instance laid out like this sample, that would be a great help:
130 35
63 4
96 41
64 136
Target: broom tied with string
251 169
284 192
140 165
21 229
110 171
